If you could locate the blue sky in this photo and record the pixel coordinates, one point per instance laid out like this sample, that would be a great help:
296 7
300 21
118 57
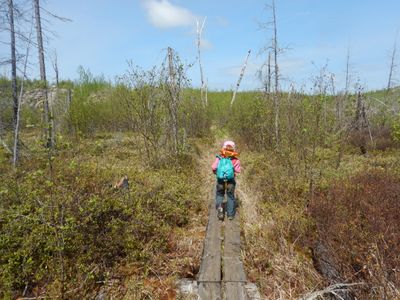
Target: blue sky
105 34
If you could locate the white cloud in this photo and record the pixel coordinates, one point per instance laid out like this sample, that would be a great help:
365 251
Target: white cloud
222 21
163 14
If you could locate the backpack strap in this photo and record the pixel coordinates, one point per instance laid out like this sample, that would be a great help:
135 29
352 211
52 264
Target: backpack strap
221 157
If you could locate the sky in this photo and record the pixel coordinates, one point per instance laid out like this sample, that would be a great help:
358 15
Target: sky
104 35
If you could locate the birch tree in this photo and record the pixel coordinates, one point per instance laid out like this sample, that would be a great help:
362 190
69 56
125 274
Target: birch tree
240 77
203 88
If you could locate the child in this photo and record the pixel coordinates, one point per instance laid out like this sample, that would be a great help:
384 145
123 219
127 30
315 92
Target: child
226 166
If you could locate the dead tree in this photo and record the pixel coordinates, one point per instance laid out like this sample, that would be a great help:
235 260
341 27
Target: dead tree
392 67
275 47
275 52
13 62
55 67
40 40
347 84
203 88
340 108
269 74
48 119
16 130
361 125
173 105
240 76
325 264
342 99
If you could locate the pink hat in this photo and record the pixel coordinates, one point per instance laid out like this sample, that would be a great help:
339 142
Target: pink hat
229 144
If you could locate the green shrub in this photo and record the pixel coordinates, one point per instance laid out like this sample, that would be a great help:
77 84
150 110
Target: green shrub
65 226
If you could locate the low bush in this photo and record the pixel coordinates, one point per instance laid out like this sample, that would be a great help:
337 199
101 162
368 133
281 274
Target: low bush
63 228
358 220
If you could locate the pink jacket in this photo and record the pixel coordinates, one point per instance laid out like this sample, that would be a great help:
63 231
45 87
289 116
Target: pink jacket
235 162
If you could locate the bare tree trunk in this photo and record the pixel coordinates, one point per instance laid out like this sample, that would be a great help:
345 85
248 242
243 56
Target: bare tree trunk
13 62
392 67
268 89
361 123
174 100
343 99
55 67
326 265
16 131
47 112
275 49
346 89
206 90
340 105
40 40
240 77
203 88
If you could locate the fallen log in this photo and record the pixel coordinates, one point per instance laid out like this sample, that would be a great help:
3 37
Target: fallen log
325 264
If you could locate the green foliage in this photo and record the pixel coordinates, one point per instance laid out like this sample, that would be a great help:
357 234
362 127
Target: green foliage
396 130
91 106
194 117
67 225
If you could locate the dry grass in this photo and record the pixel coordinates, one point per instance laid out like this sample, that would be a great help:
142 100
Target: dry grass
278 228
272 257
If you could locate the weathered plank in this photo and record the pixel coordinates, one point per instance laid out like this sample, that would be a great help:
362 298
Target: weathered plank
233 271
209 278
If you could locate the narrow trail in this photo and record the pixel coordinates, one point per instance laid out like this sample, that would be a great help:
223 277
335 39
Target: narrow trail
222 275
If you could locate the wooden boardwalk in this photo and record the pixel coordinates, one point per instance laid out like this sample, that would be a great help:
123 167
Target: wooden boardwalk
221 275
209 278
234 277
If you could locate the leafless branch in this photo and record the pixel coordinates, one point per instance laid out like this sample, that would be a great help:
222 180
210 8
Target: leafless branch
331 290
62 19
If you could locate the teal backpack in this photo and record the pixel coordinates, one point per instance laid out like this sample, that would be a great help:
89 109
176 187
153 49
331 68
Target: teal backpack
225 169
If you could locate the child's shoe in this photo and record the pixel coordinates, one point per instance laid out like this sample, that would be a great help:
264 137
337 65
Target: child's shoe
220 213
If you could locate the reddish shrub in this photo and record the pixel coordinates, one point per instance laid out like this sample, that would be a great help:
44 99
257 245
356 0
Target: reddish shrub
360 221
381 137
